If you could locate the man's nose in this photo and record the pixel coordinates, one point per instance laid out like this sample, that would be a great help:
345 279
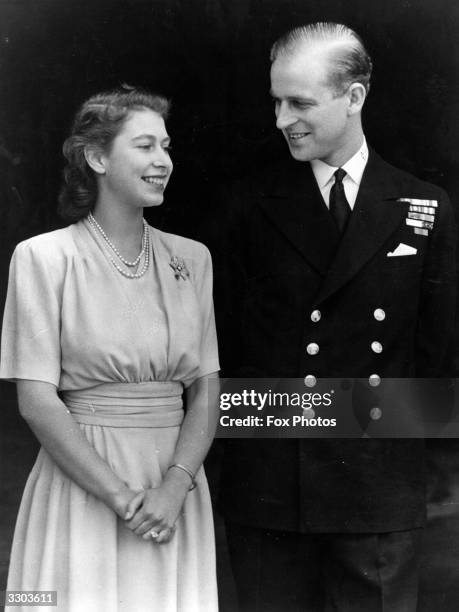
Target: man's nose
284 116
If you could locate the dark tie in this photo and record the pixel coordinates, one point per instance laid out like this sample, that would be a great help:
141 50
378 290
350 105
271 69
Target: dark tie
339 206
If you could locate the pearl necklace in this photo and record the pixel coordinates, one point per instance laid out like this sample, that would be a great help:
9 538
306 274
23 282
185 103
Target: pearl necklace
144 251
130 264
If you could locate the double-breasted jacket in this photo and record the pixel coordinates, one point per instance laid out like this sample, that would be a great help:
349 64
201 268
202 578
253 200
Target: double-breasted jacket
296 299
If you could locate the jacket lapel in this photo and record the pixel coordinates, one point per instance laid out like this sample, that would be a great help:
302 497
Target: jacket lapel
294 203
375 217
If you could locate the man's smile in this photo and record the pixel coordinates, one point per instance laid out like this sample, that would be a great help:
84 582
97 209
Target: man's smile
297 135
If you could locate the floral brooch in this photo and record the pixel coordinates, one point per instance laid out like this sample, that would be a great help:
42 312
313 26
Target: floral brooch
179 267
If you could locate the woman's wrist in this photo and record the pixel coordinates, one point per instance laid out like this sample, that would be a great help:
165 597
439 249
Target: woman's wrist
185 472
178 480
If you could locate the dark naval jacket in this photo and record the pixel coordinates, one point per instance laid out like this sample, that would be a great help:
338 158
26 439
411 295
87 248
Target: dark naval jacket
295 299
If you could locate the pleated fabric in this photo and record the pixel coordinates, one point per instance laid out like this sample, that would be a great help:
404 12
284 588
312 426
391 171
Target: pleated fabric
68 541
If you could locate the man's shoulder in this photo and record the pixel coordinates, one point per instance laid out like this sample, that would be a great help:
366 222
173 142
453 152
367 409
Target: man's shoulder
403 183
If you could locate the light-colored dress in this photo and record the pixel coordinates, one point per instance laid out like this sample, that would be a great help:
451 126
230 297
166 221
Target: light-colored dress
120 351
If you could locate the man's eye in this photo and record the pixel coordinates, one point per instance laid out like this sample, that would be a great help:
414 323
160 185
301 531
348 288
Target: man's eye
167 148
145 146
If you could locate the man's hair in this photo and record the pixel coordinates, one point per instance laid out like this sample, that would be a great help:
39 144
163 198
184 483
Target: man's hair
348 58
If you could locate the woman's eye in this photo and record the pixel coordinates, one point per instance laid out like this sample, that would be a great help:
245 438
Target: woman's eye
146 146
167 148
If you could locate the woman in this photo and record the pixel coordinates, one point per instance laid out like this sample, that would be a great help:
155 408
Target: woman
106 323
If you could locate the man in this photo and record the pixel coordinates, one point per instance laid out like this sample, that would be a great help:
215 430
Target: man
337 265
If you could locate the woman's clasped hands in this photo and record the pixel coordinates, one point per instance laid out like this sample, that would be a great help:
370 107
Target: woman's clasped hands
152 513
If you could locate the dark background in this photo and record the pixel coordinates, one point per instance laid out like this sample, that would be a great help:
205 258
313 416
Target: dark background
211 58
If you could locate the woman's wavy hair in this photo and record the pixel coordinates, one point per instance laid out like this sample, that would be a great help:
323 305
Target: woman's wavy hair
97 122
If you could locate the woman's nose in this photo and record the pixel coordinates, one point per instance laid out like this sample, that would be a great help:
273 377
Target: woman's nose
162 160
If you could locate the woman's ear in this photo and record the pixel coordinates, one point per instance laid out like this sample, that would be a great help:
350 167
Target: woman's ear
95 159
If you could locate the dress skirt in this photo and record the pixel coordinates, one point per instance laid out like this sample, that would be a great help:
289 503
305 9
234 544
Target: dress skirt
67 540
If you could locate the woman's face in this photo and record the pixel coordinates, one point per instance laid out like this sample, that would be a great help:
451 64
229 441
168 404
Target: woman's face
138 165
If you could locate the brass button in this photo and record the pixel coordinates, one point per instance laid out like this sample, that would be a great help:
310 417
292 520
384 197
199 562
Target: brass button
374 380
316 315
379 314
376 347
312 348
310 380
375 413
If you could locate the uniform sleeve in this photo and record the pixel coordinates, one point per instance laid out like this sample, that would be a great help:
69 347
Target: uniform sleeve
208 343
30 347
438 300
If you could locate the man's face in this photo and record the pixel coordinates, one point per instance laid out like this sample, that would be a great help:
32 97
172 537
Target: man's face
313 118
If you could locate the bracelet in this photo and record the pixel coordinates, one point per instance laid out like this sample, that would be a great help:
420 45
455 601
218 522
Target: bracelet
189 472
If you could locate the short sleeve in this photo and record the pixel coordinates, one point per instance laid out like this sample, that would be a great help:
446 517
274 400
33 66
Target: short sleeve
208 357
30 347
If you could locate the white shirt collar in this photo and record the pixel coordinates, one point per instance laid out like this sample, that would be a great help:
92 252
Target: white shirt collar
354 167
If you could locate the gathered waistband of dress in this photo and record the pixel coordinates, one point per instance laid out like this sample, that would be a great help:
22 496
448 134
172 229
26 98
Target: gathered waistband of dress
146 404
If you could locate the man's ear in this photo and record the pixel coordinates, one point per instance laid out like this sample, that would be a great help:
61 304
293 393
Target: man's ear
357 95
95 159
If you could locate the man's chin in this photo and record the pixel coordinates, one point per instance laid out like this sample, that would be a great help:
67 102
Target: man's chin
300 153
